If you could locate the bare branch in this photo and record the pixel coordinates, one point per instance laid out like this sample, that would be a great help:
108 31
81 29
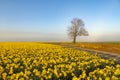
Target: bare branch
76 29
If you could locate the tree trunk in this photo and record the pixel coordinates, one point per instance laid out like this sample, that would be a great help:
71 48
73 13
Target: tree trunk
74 39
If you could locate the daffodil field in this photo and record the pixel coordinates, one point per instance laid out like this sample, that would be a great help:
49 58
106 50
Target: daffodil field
42 61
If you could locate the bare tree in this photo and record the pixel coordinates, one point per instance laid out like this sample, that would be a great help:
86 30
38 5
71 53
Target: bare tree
76 29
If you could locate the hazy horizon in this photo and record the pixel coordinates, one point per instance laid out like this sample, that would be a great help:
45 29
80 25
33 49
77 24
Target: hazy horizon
44 20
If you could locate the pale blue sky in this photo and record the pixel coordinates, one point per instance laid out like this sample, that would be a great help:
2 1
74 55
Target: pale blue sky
47 20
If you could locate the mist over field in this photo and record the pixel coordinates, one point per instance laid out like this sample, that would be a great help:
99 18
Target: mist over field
51 37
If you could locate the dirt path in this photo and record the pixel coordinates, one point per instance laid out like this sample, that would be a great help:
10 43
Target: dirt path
105 55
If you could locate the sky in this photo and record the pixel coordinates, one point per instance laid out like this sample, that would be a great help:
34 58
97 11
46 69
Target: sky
48 20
